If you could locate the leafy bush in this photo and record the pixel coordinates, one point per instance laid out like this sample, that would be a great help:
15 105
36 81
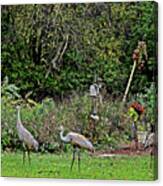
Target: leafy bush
57 48
43 121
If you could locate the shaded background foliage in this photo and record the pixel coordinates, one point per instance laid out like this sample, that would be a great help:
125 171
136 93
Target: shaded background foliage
55 51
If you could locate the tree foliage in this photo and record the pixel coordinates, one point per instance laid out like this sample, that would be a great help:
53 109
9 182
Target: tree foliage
56 48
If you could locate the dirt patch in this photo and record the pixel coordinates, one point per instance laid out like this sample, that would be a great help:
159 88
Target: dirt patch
124 150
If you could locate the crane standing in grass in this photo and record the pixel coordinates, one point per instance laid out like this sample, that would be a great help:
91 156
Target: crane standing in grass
150 142
78 141
29 143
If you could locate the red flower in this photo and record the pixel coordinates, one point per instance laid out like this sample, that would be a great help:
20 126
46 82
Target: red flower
138 107
135 55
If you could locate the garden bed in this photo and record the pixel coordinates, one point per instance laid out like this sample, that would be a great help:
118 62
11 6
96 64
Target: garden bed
124 150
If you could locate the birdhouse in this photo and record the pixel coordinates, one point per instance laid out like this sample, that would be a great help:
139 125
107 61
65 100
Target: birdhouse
94 90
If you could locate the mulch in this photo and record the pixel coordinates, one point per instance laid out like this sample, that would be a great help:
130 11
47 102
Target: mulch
124 150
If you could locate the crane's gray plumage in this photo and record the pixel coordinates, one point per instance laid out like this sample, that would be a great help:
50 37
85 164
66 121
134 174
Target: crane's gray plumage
150 140
78 141
25 136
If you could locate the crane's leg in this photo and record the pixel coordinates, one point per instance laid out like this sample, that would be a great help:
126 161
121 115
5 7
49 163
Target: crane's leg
23 156
79 160
29 159
73 158
24 150
150 165
152 157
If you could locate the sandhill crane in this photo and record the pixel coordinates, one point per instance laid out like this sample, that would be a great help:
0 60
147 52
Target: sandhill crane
78 141
28 141
150 142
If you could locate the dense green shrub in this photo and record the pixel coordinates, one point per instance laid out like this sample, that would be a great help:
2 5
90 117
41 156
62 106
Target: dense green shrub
54 49
44 119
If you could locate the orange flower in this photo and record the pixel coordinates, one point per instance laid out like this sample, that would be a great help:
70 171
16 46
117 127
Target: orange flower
138 107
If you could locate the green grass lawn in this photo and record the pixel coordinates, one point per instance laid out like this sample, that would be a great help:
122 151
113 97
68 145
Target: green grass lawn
58 166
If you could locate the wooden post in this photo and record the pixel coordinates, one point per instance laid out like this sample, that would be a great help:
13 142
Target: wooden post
129 81
137 57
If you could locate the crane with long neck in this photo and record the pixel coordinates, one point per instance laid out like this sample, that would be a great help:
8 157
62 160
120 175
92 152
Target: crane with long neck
28 141
78 141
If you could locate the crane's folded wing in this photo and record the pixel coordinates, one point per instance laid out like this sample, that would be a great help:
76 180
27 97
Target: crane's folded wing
80 140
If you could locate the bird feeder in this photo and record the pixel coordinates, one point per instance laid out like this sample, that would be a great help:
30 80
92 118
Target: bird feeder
94 117
94 90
